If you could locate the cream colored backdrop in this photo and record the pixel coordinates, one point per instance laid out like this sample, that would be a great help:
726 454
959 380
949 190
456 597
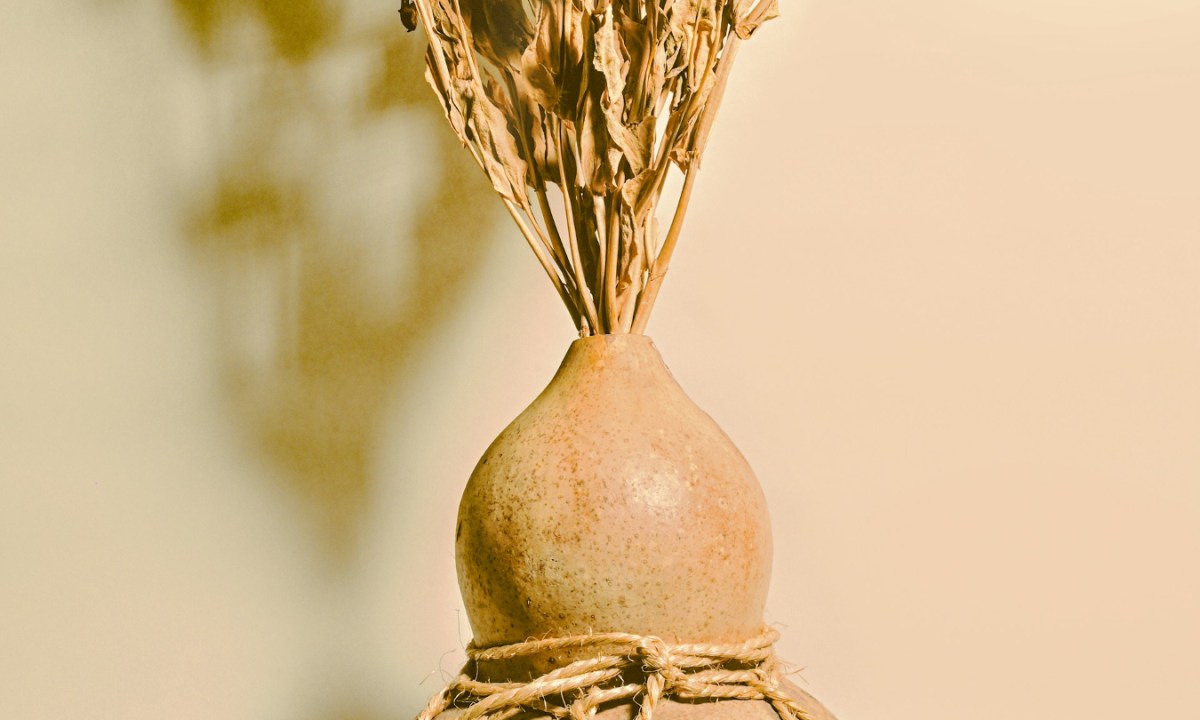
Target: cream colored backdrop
941 283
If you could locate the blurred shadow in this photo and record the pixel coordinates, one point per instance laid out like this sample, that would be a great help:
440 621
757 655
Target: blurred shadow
337 248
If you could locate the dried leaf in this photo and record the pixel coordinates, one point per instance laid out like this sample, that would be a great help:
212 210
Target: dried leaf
749 15
589 245
594 168
630 265
611 59
552 63
543 160
684 17
451 103
501 29
502 157
635 39
635 187
408 14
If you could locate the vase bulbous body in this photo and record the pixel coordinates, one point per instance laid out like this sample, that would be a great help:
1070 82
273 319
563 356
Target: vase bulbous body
613 504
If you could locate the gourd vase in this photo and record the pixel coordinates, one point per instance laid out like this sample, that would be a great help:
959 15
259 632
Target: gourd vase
614 504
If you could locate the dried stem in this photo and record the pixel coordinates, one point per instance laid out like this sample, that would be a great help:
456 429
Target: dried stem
659 270
539 252
610 264
572 233
663 261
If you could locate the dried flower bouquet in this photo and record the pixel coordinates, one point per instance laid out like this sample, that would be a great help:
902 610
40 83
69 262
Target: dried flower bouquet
598 98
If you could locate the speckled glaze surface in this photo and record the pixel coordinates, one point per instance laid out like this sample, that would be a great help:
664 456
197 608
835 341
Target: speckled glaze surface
613 503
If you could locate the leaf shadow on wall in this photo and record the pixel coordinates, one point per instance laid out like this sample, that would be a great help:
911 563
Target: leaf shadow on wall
339 225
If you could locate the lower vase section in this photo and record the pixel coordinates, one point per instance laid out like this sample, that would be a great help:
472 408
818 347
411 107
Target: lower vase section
611 674
614 554
669 709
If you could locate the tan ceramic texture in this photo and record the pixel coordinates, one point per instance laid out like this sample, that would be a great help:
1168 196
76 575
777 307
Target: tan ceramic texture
613 503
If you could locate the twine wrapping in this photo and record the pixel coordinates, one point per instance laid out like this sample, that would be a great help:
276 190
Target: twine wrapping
639 668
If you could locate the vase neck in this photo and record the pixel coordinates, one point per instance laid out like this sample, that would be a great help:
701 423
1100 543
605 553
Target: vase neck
618 355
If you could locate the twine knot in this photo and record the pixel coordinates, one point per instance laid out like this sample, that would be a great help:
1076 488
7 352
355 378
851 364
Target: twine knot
623 667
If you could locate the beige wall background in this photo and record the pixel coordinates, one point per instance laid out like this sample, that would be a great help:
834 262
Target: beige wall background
259 317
